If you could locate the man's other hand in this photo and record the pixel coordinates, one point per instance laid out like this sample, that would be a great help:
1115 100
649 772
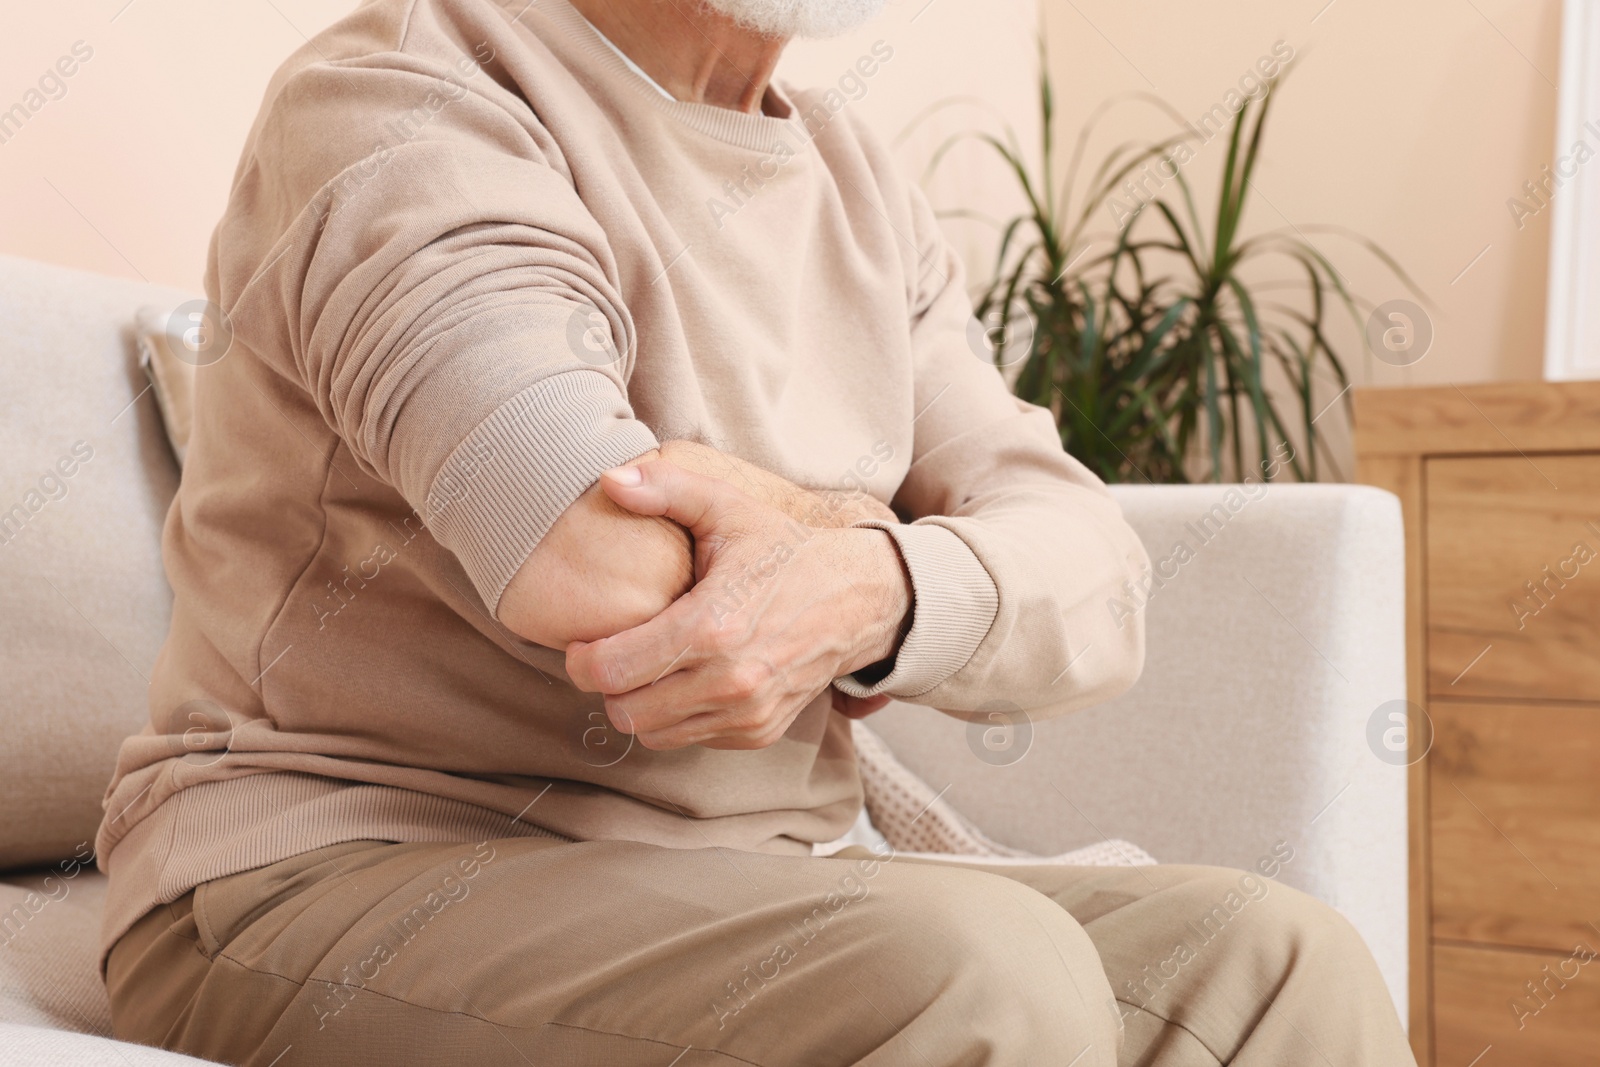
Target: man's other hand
778 610
826 508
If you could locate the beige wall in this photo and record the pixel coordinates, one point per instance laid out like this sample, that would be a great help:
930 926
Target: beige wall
128 170
1412 123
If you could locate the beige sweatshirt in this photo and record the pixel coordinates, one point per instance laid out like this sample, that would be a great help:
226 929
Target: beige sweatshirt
471 260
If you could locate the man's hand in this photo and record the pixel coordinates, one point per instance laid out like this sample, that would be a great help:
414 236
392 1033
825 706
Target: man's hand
828 509
779 610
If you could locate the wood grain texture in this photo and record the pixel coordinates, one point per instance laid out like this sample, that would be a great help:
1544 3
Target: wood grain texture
1515 835
1485 1014
1513 558
1498 483
1404 477
1503 417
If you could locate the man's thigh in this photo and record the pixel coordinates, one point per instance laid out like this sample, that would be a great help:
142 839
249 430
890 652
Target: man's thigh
530 951
1212 965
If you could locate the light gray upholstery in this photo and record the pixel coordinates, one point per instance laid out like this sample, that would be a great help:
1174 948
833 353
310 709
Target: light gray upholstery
49 951
1268 652
86 602
28 1046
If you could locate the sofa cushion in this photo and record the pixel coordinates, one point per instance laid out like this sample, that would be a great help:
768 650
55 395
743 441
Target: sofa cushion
26 1046
49 950
85 479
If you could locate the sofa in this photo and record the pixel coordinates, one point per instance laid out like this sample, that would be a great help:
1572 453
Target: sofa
1275 642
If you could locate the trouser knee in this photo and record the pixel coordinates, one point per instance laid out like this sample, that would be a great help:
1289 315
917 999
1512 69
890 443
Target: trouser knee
1019 976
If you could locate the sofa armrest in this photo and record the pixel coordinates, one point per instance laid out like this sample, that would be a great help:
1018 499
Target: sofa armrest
1275 634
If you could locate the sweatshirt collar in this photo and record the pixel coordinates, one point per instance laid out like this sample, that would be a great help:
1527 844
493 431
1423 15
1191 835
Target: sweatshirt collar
760 132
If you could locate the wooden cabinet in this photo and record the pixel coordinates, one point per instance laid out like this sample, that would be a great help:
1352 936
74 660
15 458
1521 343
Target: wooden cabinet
1500 486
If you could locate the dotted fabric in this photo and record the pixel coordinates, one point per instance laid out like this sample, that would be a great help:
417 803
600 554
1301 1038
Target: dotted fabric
915 818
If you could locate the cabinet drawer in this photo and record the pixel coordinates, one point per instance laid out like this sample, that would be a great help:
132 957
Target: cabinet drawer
1513 574
1515 821
1481 1001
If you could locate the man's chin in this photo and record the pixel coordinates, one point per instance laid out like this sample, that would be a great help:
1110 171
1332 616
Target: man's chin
798 18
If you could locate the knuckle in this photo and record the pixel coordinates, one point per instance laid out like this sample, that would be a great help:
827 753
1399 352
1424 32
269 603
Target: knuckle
768 736
609 672
746 680
719 640
747 719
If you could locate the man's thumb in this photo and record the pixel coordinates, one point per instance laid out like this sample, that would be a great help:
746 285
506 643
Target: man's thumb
660 487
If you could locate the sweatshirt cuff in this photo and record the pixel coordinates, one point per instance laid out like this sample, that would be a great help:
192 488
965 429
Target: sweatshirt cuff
954 604
504 486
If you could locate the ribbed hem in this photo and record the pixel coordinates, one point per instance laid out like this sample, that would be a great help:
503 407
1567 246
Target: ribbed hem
955 604
503 487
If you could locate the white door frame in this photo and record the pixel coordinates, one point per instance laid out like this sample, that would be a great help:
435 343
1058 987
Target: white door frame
1572 324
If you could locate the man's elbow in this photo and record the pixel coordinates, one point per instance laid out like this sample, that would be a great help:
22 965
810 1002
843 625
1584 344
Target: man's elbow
1105 669
586 583
556 618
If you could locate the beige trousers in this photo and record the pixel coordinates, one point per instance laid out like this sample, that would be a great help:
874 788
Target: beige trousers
537 952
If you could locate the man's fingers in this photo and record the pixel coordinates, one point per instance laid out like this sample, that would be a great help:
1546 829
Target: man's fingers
712 729
658 487
661 705
644 654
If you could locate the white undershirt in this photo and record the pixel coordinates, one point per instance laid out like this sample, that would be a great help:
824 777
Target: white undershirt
862 833
631 64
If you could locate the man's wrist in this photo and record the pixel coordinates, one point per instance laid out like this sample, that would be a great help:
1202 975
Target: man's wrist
884 583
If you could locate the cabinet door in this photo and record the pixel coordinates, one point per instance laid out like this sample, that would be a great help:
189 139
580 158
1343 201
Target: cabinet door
1513 601
1515 822
1486 1015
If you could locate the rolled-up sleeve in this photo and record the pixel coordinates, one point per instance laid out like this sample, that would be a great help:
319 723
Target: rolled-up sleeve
433 281
1015 550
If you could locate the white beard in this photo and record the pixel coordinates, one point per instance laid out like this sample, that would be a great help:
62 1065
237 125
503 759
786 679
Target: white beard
797 18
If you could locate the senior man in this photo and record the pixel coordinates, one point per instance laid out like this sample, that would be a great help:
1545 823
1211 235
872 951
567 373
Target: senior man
532 554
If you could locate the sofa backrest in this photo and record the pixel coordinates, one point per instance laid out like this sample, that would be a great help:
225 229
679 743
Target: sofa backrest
85 479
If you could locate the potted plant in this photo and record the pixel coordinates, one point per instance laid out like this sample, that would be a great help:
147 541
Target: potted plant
1153 352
